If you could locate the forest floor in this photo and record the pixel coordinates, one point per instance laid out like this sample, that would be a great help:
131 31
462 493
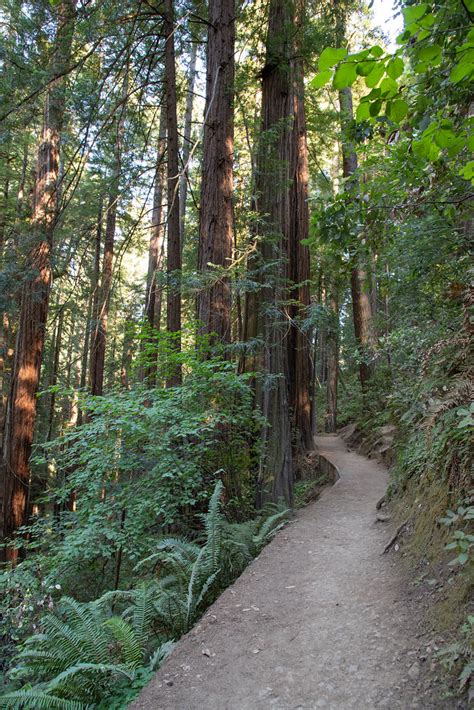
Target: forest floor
321 619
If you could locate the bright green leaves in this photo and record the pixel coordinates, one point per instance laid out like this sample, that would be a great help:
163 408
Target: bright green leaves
330 57
363 111
375 75
395 68
364 68
467 171
464 69
413 13
397 110
345 75
321 79
417 21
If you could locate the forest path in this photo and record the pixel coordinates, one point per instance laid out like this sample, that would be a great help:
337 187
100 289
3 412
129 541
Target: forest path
319 620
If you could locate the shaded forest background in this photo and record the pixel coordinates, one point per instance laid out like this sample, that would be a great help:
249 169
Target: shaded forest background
224 227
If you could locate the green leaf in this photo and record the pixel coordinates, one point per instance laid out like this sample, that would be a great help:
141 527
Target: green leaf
321 79
345 75
364 68
374 108
375 75
397 110
414 12
467 171
330 57
376 51
363 111
431 54
388 87
395 68
460 72
444 137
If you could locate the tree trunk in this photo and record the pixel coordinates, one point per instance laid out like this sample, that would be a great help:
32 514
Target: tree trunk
173 314
332 364
156 252
360 286
275 477
95 286
216 227
54 372
36 290
298 256
100 334
186 151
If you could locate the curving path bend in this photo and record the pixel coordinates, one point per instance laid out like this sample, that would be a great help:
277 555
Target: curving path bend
319 620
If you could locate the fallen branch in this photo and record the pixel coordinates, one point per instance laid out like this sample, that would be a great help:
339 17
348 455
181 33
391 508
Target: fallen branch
395 537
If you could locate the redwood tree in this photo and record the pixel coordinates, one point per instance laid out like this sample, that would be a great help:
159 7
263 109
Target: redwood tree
273 205
173 315
36 287
216 227
298 253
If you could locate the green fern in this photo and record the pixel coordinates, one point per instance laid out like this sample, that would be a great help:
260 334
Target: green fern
37 700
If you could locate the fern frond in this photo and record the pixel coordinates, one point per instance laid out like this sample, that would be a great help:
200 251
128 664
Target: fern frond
160 654
269 528
37 700
129 641
82 670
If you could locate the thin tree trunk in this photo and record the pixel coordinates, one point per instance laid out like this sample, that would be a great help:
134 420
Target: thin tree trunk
186 151
95 286
216 227
298 255
360 286
332 364
156 251
100 334
85 355
173 314
54 372
35 291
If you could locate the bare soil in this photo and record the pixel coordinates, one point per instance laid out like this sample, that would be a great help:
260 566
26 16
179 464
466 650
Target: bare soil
321 619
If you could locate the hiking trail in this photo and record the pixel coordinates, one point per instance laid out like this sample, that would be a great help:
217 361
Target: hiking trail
321 619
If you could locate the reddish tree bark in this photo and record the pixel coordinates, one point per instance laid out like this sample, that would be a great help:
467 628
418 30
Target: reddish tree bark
216 227
36 290
173 314
298 255
275 477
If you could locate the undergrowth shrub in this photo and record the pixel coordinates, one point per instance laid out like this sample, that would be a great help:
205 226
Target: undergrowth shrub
100 653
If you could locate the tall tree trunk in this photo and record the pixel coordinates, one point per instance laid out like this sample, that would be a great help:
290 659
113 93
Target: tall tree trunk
332 364
275 478
85 356
186 151
95 286
36 290
54 372
360 284
100 333
173 314
156 250
298 255
216 227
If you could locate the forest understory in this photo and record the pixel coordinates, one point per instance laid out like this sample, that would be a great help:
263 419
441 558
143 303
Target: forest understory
227 228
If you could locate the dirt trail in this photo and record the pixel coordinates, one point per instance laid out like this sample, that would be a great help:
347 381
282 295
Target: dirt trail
319 620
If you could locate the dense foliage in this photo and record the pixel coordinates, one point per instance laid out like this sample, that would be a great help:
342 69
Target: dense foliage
318 224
